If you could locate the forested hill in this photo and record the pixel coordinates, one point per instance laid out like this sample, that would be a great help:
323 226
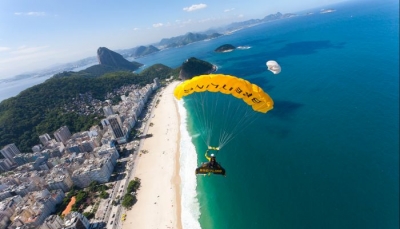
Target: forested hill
60 100
194 67
41 108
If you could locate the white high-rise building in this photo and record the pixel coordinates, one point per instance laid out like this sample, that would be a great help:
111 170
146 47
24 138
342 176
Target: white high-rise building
44 139
76 220
156 83
10 151
62 134
108 111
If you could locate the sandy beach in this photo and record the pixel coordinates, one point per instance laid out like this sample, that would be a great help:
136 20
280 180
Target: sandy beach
158 204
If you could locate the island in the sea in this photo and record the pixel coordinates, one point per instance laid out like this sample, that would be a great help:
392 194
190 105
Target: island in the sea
225 48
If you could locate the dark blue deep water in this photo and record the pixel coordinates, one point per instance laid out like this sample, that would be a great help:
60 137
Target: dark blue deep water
327 155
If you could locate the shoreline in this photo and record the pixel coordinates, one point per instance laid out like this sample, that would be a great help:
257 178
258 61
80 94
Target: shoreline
177 178
159 196
190 205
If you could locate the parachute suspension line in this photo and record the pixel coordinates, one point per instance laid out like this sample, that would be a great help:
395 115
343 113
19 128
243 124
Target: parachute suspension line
225 134
215 112
234 133
236 125
205 110
208 121
199 112
206 124
241 119
227 112
206 127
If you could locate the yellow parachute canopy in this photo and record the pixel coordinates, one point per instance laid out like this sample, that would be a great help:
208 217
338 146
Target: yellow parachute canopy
250 93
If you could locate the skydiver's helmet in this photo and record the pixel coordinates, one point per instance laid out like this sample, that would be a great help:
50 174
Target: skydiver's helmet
212 157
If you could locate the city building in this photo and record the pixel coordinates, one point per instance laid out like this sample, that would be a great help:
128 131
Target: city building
44 139
59 179
116 126
108 111
10 151
97 169
62 134
118 130
37 148
4 220
33 210
75 220
156 84
5 165
53 222
8 205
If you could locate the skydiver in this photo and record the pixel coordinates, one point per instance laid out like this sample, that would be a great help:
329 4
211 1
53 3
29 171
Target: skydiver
211 164
211 160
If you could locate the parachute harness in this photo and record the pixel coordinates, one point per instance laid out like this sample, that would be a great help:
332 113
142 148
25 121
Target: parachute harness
213 148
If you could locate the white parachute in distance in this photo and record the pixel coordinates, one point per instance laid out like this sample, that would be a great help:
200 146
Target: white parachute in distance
273 66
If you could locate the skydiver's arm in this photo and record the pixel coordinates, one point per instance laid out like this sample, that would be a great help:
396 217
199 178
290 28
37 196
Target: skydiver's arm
208 158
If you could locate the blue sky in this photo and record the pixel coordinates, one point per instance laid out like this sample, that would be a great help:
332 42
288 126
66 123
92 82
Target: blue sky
35 34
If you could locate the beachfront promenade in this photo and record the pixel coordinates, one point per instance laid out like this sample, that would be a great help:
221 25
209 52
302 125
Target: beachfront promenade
158 199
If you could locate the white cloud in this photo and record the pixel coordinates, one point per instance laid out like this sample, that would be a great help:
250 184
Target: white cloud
157 25
26 58
35 14
195 7
206 20
227 10
22 50
3 49
135 29
32 57
240 15
182 23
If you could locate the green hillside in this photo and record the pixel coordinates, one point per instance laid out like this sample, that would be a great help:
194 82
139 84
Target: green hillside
40 109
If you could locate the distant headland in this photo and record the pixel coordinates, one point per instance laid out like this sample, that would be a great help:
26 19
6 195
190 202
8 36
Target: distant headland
164 43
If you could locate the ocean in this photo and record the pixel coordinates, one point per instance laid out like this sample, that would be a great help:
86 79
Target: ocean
327 155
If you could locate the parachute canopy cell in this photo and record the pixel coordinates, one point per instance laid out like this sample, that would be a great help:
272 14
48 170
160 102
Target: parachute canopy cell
250 93
273 66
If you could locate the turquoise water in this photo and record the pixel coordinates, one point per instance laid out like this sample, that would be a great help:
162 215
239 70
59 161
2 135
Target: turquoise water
327 155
